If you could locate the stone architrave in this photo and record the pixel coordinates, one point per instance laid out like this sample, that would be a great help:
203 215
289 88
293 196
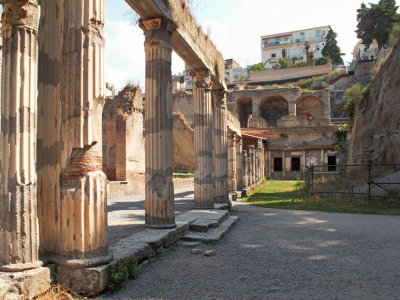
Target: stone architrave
72 207
220 148
232 161
18 203
159 146
204 190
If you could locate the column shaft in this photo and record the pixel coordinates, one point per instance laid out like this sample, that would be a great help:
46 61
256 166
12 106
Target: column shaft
159 145
18 202
204 190
220 148
73 188
232 162
245 170
239 176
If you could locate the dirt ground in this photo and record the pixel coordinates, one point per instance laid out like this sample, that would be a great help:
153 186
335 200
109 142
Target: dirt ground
282 254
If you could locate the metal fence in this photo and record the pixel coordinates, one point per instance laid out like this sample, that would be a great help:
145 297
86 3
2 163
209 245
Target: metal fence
370 181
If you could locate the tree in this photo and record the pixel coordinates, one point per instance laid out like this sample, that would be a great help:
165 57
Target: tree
258 67
376 22
331 48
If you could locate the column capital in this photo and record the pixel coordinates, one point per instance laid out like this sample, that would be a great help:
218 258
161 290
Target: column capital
23 13
202 78
157 31
220 96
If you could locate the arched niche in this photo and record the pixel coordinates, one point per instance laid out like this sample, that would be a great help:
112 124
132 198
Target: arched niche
311 107
245 110
273 108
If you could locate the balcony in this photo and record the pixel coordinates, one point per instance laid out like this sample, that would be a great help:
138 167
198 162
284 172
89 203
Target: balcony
277 44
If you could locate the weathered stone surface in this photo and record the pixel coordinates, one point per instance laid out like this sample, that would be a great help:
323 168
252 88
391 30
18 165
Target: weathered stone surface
24 285
18 187
210 253
197 251
85 281
188 244
159 148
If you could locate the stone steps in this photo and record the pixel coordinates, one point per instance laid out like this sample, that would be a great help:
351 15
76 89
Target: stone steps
213 234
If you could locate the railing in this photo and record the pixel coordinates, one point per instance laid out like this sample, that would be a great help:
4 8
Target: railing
368 180
323 84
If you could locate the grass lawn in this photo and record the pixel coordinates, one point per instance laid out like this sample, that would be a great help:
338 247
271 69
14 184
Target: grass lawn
291 195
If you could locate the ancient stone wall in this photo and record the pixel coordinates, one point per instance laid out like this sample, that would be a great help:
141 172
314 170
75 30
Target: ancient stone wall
375 131
123 139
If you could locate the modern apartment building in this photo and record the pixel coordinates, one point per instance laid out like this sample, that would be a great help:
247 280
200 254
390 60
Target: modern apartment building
291 45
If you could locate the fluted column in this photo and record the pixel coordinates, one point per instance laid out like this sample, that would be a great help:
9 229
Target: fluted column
18 202
253 167
159 157
220 148
252 164
256 165
249 176
73 188
245 170
204 190
232 161
239 149
261 159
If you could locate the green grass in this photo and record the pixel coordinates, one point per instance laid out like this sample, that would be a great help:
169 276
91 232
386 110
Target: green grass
292 195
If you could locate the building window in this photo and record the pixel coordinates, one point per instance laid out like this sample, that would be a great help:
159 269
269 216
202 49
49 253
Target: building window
278 164
302 37
318 35
331 163
273 55
295 164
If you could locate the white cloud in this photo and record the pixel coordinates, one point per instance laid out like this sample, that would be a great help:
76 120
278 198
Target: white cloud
125 57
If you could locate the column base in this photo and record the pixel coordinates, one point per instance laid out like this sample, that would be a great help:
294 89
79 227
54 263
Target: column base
21 267
85 281
167 226
79 263
25 285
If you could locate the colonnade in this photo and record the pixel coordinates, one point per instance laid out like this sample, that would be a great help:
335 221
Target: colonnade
53 189
246 169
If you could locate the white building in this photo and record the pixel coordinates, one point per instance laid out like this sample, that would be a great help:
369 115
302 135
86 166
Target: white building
234 73
273 46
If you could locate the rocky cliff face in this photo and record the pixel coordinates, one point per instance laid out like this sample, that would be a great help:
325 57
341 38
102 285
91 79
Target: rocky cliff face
375 131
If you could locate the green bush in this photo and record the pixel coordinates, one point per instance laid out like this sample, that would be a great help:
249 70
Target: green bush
121 271
354 95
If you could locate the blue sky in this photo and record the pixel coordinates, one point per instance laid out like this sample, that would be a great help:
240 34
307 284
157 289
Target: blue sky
235 27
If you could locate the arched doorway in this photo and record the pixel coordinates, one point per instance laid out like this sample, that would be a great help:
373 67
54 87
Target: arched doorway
273 108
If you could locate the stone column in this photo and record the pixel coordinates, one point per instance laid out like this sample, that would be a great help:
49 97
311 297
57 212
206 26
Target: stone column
283 164
251 167
250 177
220 148
256 166
159 147
239 150
72 206
232 161
18 202
204 190
261 168
253 164
269 162
245 170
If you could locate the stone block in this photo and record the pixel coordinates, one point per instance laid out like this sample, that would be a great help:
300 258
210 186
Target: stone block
24 285
196 251
86 281
210 253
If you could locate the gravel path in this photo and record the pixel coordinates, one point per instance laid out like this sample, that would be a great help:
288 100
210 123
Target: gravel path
281 254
